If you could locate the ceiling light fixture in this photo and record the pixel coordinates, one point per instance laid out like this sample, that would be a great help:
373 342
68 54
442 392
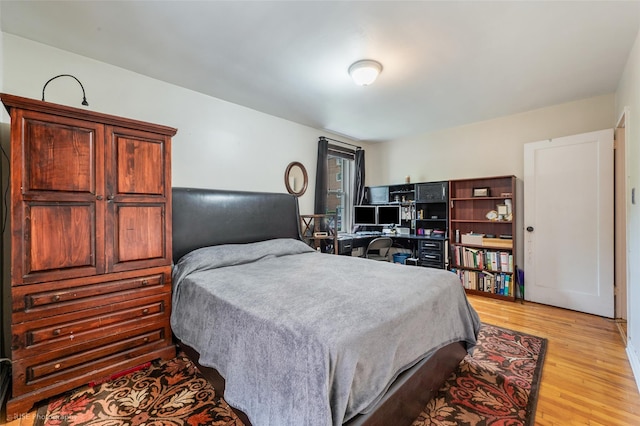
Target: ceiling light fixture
365 72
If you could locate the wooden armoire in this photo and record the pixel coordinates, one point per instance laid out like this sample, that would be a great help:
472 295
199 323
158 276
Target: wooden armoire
90 247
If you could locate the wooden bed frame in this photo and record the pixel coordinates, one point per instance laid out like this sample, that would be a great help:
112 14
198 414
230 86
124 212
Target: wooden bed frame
207 217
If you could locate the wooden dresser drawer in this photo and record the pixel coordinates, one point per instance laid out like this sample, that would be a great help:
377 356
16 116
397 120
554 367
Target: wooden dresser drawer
76 328
85 327
35 301
74 294
40 371
48 368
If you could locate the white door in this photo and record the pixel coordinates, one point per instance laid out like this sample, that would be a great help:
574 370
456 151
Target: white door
568 221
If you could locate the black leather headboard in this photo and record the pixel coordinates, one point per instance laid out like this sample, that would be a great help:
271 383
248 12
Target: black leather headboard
209 217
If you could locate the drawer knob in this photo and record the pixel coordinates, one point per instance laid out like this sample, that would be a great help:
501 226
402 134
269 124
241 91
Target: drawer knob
145 311
56 298
145 282
57 366
56 332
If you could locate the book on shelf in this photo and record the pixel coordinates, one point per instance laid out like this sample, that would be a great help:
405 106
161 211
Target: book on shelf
496 283
504 261
491 260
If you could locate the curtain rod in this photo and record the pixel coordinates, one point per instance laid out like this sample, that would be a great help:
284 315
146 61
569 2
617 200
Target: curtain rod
346 143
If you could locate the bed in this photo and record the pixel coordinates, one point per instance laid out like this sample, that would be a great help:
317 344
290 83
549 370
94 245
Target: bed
296 337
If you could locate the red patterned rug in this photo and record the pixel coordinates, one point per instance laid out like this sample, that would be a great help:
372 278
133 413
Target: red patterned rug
498 385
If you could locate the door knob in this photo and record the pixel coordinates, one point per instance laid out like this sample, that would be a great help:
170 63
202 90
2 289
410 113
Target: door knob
529 228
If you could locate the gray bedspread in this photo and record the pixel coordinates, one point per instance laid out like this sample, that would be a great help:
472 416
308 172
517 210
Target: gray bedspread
304 338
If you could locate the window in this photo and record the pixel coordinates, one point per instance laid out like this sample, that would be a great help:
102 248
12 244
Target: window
340 187
339 181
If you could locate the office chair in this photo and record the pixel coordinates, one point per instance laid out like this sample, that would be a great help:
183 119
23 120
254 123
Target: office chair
378 248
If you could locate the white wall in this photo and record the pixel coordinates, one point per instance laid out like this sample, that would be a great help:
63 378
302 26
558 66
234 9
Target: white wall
628 96
218 144
488 148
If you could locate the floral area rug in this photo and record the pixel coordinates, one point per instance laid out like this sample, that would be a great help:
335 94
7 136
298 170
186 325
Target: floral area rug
498 385
170 393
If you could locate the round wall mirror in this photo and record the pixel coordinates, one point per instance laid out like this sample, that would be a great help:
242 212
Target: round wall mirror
296 179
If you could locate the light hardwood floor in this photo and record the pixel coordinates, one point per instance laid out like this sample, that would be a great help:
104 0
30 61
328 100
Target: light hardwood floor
586 379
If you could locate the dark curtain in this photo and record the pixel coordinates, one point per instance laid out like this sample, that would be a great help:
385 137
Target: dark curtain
358 184
321 177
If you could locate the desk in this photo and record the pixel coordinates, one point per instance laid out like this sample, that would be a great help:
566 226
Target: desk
429 251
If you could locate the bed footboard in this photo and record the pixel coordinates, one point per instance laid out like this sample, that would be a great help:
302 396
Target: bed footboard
401 405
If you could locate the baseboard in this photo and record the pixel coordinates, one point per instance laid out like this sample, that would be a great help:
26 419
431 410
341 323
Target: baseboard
632 354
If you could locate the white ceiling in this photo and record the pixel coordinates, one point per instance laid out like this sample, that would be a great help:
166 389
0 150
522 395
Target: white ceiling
445 63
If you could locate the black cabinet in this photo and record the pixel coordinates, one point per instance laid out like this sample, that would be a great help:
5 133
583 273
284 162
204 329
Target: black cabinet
432 219
377 194
404 193
432 253
432 209
432 192
345 246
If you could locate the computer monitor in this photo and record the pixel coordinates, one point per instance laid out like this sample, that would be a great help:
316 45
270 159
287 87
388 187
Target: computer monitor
389 215
364 215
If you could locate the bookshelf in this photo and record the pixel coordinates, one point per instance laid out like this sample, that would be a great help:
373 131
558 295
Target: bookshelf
319 231
482 230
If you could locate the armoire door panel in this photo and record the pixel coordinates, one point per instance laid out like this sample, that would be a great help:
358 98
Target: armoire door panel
60 238
140 164
139 232
61 156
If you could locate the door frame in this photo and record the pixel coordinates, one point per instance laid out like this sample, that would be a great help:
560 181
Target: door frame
621 208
